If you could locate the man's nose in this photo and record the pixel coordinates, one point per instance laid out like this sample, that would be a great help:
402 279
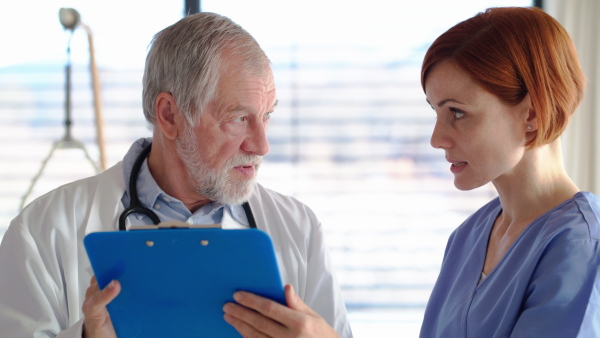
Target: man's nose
256 141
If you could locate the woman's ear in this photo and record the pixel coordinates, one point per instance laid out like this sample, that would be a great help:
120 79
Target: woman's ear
168 117
530 115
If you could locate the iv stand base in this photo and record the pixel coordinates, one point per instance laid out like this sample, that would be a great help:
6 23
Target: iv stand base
65 143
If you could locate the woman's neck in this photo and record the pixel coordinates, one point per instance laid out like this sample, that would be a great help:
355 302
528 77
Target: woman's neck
538 184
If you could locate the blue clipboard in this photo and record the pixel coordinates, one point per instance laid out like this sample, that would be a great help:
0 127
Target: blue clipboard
176 281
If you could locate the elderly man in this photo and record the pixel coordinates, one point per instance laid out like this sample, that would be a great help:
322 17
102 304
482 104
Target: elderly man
209 95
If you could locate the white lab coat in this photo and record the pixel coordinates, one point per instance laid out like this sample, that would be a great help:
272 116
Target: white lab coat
44 269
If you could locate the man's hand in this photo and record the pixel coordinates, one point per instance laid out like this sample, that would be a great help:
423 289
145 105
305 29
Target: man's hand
97 321
255 317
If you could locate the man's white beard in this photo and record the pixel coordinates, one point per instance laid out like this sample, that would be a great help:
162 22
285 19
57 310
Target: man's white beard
216 184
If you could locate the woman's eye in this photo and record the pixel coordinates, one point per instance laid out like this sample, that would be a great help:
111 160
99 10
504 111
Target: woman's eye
457 113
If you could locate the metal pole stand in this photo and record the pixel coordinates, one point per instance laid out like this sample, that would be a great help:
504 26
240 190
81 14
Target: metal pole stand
67 142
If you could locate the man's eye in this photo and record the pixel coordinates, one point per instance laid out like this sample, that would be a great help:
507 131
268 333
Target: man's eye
267 115
240 119
457 113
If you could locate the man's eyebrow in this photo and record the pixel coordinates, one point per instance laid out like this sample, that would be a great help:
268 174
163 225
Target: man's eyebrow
235 108
238 107
274 105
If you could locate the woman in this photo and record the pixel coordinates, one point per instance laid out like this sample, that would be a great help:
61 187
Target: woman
503 85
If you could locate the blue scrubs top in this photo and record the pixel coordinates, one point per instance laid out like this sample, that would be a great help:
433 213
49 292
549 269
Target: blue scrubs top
546 285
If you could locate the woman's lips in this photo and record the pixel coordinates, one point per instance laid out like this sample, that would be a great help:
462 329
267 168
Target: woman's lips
457 167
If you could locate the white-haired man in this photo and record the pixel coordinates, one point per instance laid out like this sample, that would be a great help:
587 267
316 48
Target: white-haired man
209 94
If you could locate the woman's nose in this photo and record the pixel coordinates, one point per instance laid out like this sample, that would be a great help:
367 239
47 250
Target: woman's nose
439 137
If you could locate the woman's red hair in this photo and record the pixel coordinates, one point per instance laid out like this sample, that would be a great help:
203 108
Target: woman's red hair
512 52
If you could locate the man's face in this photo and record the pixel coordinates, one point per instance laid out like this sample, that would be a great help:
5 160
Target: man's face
223 152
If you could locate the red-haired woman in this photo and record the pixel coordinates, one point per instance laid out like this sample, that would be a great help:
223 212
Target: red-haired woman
503 85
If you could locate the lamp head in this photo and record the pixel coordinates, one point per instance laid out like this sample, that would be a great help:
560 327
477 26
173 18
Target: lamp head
69 18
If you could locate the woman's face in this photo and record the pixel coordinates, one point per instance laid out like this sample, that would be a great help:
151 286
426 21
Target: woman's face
483 138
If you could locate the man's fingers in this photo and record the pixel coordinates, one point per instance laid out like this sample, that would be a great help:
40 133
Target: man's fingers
97 321
294 302
243 328
96 299
93 288
246 324
109 293
267 307
250 323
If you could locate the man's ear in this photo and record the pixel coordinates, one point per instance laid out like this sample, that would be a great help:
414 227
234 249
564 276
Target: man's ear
168 117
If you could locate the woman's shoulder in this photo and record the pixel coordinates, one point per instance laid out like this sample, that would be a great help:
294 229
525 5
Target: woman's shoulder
575 219
586 213
588 204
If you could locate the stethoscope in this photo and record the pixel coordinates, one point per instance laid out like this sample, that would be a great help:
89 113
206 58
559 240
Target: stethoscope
135 207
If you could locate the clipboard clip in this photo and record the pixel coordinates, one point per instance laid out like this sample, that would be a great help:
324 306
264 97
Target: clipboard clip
176 225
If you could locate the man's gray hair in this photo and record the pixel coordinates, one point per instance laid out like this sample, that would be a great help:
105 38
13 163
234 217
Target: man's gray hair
186 60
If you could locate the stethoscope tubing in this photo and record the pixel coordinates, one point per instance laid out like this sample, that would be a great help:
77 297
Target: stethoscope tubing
135 207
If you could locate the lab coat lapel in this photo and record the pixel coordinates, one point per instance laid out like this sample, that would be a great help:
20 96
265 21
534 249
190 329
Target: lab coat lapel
106 203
